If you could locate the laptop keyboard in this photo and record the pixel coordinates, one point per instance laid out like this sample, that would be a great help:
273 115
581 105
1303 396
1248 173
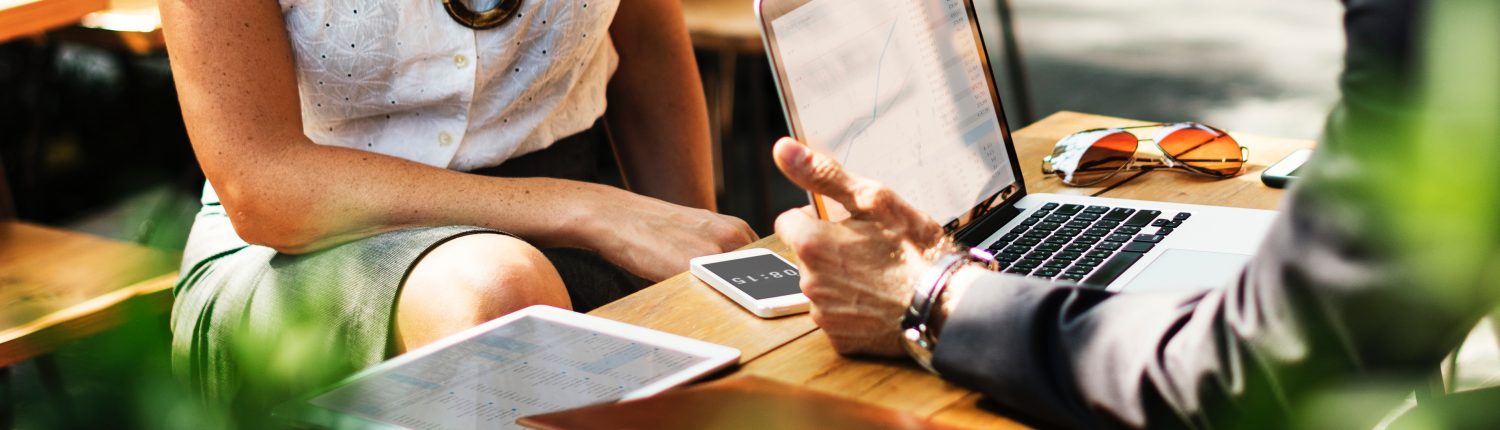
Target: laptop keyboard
1091 245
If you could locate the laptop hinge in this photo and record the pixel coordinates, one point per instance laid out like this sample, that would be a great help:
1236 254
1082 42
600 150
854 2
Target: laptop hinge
987 225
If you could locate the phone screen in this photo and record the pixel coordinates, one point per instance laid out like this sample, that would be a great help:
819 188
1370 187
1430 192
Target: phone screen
761 277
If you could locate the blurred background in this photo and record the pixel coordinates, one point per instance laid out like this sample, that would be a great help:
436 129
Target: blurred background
94 137
92 140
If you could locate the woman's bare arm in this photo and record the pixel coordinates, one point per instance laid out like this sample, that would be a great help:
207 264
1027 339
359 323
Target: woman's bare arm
234 70
657 110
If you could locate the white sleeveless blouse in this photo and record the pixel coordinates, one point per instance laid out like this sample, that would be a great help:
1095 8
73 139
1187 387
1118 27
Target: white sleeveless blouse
402 78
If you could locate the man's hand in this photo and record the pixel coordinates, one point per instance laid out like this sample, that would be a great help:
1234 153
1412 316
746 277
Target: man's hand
858 273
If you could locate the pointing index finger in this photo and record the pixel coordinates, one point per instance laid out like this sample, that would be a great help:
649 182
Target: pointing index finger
815 172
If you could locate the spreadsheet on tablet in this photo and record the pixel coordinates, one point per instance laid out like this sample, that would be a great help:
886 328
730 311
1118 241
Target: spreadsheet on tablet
526 367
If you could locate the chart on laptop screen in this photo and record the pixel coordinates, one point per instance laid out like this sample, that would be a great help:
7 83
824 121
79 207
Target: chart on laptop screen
896 91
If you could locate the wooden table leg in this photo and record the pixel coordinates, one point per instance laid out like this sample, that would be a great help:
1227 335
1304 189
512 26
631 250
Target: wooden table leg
56 392
7 400
1015 70
762 143
724 112
7 204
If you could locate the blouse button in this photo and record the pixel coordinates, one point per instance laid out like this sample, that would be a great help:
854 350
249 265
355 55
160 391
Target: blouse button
460 61
445 139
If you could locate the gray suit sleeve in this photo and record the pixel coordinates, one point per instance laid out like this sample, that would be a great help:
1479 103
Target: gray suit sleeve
1340 299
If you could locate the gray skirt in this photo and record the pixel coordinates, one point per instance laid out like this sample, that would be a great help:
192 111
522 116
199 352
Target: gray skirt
252 327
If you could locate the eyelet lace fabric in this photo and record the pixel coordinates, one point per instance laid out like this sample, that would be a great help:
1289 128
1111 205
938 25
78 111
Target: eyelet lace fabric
401 78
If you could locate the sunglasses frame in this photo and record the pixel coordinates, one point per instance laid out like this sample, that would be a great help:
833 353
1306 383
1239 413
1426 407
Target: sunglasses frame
1137 163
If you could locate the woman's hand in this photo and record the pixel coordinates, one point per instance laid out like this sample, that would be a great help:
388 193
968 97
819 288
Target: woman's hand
858 273
655 239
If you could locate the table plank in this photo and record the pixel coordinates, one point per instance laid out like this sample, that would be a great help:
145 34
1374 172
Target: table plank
685 306
728 25
811 362
1246 190
22 17
130 25
57 285
967 413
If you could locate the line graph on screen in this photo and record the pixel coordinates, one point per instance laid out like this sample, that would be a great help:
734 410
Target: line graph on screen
896 91
858 129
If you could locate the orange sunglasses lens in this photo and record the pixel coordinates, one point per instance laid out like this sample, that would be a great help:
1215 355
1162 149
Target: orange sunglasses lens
1203 149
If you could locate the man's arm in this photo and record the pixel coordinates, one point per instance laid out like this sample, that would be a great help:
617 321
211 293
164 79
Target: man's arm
657 112
1347 290
1381 263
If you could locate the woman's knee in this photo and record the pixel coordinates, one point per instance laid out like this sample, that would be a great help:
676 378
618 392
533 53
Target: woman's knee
476 278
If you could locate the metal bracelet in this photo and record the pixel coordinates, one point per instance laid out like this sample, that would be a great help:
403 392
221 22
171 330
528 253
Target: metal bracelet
915 334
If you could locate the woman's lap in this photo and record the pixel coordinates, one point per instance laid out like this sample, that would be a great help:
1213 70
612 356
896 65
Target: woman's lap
327 312
298 322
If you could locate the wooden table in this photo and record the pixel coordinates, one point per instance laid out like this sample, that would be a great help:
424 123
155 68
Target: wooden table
130 26
793 350
22 17
59 286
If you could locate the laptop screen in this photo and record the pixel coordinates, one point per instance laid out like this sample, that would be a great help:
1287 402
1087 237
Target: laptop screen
898 91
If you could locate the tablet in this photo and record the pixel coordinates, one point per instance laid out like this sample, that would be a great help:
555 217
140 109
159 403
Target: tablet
537 360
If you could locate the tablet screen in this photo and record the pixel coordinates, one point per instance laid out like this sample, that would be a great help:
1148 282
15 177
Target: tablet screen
524 367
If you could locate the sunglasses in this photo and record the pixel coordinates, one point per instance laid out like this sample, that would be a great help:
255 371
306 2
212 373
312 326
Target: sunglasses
1092 156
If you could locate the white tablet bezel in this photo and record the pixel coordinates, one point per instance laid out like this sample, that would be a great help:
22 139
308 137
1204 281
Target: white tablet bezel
765 308
716 357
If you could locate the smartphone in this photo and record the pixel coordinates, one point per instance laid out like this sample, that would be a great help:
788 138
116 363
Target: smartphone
759 280
1282 173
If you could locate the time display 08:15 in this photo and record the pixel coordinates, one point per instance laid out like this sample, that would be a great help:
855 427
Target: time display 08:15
748 279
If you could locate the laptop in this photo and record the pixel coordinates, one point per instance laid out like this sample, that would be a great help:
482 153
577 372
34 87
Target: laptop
901 91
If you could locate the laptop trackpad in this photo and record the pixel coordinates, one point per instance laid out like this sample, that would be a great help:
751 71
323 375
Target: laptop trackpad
1179 269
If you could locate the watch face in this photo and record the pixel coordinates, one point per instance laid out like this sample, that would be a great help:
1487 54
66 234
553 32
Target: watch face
761 277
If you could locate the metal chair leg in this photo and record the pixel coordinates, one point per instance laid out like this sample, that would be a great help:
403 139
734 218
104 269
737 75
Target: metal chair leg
1014 69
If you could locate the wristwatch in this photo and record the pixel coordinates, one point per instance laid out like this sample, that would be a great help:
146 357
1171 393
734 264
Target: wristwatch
916 334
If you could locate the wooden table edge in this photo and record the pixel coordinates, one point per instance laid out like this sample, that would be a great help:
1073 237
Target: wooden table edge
44 15
52 330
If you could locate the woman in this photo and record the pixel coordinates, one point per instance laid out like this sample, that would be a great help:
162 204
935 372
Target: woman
335 135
